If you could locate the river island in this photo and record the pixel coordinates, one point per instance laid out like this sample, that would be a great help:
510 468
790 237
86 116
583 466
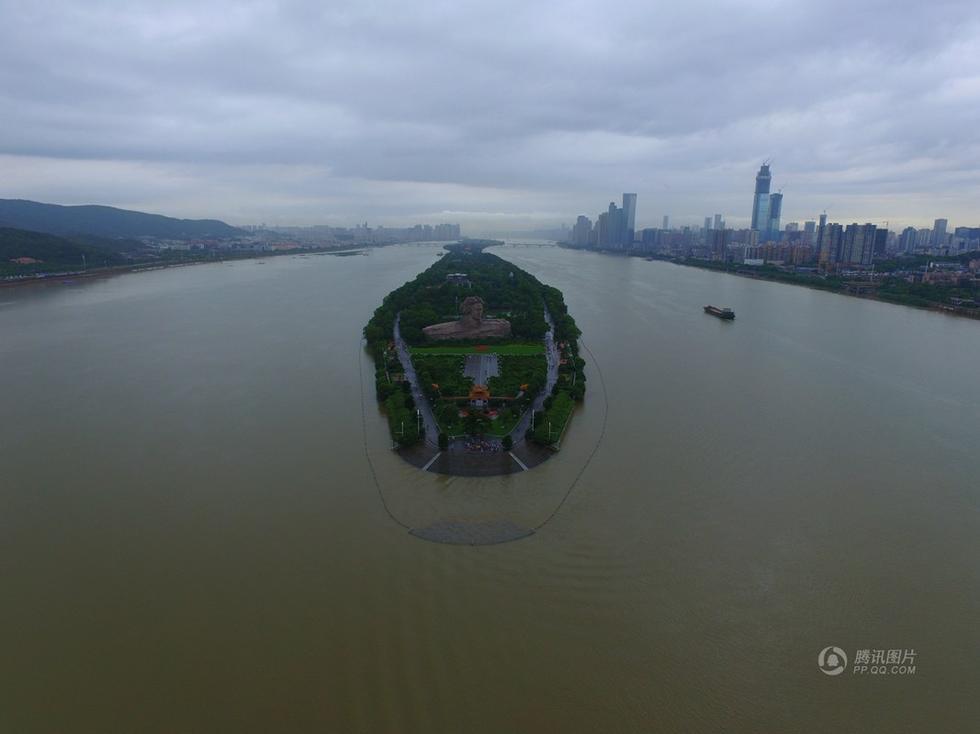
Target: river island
477 365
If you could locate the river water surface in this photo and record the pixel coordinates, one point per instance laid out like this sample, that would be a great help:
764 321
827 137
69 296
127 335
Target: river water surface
194 535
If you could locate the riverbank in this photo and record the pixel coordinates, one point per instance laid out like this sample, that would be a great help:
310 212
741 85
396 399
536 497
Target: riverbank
868 290
143 267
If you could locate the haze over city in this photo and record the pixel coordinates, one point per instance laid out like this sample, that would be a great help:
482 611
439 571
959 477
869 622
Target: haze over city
504 116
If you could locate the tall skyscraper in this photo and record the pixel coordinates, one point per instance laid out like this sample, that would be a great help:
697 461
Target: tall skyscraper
718 240
829 241
611 227
707 224
821 230
906 243
939 232
602 230
881 243
629 219
760 203
581 231
775 211
719 224
809 232
666 222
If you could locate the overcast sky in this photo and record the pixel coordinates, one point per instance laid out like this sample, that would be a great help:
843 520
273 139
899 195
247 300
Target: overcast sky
494 114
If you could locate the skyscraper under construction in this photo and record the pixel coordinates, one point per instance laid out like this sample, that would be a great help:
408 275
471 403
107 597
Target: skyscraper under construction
760 203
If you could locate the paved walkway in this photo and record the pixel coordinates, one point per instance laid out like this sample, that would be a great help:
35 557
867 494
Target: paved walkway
481 367
421 401
552 356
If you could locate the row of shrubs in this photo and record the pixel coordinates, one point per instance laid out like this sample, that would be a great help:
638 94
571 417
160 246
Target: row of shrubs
403 421
396 396
549 423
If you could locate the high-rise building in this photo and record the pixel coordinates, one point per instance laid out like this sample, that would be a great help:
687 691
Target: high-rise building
617 224
707 224
821 228
718 241
880 243
939 232
829 241
969 238
719 222
775 210
581 231
629 219
809 232
444 232
906 243
602 230
666 222
760 203
858 245
611 227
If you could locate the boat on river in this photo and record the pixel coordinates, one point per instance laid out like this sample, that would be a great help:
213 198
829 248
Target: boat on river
721 313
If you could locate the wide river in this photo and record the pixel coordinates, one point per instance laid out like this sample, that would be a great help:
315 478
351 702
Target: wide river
194 534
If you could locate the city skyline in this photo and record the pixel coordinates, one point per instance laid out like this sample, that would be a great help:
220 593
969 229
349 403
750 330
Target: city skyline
831 246
293 114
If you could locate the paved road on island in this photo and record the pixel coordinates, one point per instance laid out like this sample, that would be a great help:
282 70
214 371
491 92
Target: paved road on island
551 355
421 401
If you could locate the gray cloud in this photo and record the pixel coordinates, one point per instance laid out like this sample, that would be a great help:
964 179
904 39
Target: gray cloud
494 114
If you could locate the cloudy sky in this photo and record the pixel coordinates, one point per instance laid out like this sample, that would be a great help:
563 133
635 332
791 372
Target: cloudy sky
495 114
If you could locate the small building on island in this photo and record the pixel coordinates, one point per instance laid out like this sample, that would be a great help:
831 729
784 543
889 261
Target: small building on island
479 396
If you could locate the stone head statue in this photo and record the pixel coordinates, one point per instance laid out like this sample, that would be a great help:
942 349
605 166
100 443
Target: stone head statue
472 310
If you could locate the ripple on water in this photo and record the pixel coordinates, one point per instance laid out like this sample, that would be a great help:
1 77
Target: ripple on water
472 532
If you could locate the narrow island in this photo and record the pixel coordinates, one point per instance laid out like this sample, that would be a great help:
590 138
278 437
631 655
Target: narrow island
477 365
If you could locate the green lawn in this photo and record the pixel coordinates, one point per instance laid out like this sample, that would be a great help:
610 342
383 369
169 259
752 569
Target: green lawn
513 350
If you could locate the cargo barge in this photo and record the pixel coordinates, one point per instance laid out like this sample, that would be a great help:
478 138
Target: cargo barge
721 313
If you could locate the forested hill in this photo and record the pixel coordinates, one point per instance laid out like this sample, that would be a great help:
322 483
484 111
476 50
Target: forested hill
106 221
51 252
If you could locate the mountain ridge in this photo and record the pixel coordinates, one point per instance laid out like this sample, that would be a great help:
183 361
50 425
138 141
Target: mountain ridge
106 221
